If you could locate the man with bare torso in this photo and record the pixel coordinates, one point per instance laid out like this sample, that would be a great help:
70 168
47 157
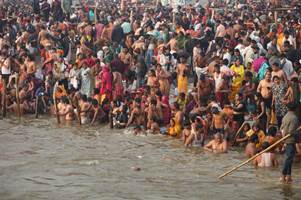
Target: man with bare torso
84 109
137 117
217 145
66 109
204 88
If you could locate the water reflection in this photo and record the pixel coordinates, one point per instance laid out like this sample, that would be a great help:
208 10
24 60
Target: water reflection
287 190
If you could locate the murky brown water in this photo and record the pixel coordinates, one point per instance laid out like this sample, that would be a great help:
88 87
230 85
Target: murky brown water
39 160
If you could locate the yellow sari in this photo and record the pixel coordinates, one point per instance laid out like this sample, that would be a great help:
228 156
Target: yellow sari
175 130
182 84
236 83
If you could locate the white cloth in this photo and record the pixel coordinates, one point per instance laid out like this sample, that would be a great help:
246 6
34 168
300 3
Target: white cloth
287 67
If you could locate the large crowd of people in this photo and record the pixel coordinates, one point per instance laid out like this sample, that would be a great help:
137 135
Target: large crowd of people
229 71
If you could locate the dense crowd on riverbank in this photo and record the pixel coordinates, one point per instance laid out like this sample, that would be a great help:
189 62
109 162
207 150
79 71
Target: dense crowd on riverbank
191 72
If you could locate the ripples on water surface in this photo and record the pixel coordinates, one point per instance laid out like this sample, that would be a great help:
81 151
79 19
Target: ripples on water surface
39 160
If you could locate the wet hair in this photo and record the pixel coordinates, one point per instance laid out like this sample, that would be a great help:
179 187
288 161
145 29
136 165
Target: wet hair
96 91
65 100
272 131
124 108
153 102
137 100
265 145
256 125
94 102
254 138
186 124
84 97
193 118
159 93
249 74
248 125
225 62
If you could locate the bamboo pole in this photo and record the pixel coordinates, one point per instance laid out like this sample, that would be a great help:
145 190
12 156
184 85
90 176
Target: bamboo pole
253 157
55 104
111 118
36 107
3 98
239 130
17 96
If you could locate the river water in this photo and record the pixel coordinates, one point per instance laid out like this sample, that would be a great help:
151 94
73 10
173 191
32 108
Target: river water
41 160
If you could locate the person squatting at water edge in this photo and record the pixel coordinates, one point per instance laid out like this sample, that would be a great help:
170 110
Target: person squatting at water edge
213 77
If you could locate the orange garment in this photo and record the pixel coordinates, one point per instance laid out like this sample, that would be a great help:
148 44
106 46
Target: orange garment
61 93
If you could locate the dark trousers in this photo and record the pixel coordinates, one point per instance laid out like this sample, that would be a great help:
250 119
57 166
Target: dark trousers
279 121
290 151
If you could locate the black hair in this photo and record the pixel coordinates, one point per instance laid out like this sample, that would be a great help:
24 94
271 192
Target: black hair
265 145
176 105
276 77
249 74
272 131
84 97
96 91
137 100
225 62
254 138
193 118
65 100
94 102
153 102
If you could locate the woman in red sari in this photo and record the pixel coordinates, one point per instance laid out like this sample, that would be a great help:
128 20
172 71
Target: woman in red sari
106 83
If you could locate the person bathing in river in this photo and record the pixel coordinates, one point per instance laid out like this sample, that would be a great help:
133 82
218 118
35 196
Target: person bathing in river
137 117
196 136
154 116
176 122
250 149
66 109
217 145
121 117
267 159
84 109
96 112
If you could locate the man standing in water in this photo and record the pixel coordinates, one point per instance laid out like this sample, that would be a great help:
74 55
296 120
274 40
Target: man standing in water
137 117
217 145
289 125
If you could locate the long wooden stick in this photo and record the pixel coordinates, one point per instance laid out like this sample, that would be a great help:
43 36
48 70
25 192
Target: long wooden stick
3 98
111 117
37 107
253 157
55 105
17 96
239 130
